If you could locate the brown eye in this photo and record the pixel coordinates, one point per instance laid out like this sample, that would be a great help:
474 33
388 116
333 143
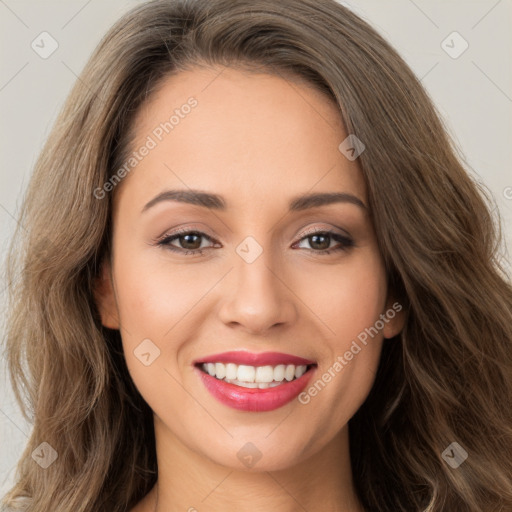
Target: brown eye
189 242
320 242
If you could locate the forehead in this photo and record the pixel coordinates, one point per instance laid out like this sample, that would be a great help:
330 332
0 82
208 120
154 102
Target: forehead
252 137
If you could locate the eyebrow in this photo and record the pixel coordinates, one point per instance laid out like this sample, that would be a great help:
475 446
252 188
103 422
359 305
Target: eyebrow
217 202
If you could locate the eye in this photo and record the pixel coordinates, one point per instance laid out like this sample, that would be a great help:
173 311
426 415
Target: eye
321 240
190 242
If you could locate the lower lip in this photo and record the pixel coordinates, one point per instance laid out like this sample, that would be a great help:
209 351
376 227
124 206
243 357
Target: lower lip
255 399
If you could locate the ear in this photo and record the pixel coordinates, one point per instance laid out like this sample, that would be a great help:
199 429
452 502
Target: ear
395 316
105 298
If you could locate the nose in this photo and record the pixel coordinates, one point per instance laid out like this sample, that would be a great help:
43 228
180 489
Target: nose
256 297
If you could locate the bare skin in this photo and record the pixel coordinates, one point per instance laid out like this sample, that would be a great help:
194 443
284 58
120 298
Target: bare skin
258 140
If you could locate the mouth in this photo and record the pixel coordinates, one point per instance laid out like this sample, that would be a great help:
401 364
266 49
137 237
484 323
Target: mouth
270 382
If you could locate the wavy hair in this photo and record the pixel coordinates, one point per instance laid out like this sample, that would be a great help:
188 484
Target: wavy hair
446 378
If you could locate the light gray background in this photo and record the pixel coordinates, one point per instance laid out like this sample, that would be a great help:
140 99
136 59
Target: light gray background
473 93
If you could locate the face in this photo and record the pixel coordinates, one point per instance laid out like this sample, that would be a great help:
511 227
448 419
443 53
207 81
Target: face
275 289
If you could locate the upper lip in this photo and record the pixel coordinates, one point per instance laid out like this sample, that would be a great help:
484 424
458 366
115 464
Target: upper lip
254 359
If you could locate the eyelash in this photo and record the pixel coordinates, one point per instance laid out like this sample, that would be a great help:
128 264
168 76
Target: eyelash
344 240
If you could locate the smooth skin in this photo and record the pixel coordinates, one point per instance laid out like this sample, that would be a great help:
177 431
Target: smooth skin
258 140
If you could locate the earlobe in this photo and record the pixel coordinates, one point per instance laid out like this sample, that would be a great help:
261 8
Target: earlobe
395 315
105 298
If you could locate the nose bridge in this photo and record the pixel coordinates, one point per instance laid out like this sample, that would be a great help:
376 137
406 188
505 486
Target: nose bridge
257 297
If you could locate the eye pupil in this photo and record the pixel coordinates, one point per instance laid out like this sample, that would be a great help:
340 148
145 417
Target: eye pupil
187 242
323 245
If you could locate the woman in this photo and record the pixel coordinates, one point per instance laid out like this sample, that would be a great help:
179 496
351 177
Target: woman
183 341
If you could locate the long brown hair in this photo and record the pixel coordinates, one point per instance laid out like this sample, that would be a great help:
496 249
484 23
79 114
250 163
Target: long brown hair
446 378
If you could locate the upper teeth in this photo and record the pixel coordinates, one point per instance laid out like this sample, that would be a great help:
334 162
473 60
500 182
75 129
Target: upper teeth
256 374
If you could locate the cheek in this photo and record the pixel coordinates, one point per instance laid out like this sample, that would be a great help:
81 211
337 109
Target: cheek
362 302
350 307
150 304
153 296
348 298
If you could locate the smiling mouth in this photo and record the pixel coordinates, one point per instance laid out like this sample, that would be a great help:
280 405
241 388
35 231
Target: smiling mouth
260 377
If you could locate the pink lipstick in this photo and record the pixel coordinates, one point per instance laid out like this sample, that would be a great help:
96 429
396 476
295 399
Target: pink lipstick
254 382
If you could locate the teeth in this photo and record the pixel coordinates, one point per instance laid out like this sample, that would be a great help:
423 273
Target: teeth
300 371
243 384
261 377
231 371
289 373
220 370
264 374
260 385
245 373
279 372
